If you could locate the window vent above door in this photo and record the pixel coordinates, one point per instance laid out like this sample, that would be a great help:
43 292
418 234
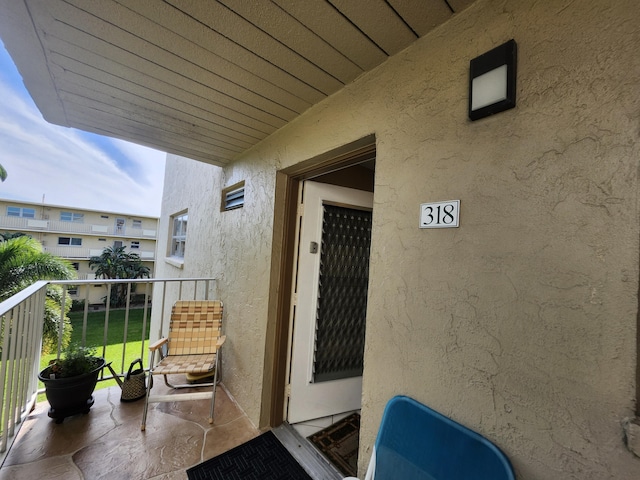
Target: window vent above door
233 197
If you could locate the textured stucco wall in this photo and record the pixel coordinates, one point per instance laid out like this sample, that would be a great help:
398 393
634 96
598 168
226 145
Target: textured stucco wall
520 323
234 247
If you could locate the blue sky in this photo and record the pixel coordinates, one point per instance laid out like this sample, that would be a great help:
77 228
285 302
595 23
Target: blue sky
67 166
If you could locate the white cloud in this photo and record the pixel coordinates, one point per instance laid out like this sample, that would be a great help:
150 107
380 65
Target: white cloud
69 169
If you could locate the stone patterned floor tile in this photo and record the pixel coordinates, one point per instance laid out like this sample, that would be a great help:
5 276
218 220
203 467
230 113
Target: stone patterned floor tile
225 410
178 475
54 468
40 436
225 437
129 454
107 443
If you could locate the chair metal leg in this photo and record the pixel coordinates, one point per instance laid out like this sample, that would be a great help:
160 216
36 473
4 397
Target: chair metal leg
189 396
146 398
215 382
166 382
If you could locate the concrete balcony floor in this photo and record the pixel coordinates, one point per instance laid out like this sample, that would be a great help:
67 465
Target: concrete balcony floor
107 442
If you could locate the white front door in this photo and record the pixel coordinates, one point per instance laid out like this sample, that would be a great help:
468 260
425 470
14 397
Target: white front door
329 311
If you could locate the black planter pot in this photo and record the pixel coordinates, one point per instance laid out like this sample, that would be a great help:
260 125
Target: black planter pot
70 396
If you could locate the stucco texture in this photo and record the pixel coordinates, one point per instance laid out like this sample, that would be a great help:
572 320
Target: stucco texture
521 323
234 248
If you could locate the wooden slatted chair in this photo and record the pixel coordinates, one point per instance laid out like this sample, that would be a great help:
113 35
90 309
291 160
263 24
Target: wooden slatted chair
192 347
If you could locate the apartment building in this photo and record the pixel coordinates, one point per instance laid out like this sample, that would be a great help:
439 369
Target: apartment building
77 234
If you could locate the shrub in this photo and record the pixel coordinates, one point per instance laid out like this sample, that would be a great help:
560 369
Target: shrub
77 360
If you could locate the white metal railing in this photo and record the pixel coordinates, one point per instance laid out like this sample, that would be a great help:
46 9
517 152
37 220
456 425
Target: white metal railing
36 225
21 324
21 327
82 253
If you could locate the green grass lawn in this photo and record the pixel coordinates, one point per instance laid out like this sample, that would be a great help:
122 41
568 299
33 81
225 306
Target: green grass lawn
114 343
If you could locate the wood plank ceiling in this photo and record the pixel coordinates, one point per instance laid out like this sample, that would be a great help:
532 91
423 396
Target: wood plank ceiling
199 78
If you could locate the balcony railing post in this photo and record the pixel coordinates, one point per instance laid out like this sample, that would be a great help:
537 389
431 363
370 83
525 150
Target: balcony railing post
85 315
7 319
22 360
61 324
126 323
107 310
164 299
35 346
144 318
15 333
21 320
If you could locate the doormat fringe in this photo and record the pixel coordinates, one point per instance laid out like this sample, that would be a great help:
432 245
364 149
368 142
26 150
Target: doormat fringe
339 443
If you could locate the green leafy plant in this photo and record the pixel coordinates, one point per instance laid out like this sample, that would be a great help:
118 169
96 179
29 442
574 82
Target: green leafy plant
22 262
77 360
52 316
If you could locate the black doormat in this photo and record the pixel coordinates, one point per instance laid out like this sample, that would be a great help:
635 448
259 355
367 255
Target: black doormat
261 458
339 443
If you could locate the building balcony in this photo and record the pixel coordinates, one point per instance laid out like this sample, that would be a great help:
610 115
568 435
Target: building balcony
33 446
81 253
55 226
108 442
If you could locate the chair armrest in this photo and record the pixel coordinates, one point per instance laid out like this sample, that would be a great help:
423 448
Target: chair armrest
221 341
156 345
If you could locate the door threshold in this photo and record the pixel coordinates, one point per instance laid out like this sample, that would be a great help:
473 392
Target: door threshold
313 462
306 428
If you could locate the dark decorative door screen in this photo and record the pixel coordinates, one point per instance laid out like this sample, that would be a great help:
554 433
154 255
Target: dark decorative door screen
342 293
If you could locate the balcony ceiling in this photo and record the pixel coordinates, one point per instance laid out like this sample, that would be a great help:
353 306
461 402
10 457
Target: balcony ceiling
202 79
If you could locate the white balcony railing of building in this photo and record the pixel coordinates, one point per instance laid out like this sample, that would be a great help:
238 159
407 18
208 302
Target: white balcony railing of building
36 225
21 323
81 253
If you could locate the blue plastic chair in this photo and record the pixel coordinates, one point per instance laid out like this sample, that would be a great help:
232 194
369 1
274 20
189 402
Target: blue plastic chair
417 443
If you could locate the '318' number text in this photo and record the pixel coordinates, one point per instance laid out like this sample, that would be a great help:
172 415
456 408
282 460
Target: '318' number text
440 214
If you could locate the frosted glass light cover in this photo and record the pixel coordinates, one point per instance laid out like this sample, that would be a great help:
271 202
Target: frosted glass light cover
489 88
492 81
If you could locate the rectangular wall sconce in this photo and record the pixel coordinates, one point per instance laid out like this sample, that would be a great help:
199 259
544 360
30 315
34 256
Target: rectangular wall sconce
492 81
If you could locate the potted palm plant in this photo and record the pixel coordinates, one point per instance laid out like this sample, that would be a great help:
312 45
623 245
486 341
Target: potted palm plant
69 381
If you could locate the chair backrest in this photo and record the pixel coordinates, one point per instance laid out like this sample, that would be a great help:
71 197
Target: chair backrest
419 443
195 327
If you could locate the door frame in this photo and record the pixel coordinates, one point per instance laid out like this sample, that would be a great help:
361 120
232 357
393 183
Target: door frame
283 255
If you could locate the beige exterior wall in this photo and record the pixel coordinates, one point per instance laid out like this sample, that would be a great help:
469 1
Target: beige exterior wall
234 247
521 323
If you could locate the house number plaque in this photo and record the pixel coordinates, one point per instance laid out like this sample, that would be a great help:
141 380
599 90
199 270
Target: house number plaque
440 214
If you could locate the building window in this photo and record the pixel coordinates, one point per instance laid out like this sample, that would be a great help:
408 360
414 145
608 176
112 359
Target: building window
135 245
137 223
72 217
117 244
76 242
178 235
76 265
233 197
21 212
120 222
72 290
